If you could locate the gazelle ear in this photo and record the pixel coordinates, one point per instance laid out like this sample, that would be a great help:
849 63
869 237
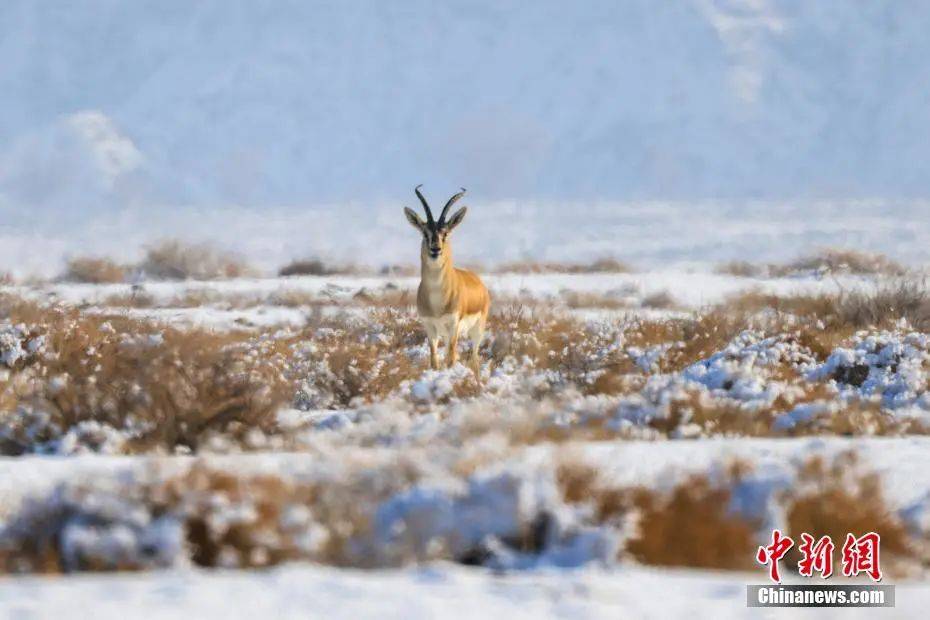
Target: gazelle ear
414 219
456 219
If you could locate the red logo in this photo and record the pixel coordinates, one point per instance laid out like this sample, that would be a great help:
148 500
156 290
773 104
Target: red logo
859 555
816 556
774 552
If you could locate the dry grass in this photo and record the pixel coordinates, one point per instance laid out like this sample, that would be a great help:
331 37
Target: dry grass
316 267
742 269
164 387
691 525
838 260
225 520
835 498
94 270
351 365
826 261
232 520
177 260
601 265
660 300
692 339
878 307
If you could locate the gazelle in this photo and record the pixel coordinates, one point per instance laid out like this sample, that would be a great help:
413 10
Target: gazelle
451 302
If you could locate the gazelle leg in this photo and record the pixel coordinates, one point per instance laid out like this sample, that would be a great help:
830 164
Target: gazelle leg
432 336
433 346
476 335
452 356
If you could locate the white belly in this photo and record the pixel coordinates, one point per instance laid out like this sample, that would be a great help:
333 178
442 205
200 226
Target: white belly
442 327
467 322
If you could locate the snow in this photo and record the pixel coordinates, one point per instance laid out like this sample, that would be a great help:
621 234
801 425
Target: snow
889 367
254 301
301 591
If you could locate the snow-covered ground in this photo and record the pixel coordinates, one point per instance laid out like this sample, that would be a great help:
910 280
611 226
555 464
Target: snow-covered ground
258 302
480 456
440 591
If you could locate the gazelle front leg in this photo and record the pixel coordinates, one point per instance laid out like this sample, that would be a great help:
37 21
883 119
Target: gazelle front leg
432 336
452 356
433 346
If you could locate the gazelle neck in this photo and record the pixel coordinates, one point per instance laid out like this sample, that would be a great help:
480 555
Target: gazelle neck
436 272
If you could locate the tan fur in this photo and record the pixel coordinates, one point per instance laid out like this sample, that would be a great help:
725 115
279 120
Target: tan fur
451 302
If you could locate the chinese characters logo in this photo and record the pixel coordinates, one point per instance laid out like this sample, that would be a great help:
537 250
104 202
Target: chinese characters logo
859 555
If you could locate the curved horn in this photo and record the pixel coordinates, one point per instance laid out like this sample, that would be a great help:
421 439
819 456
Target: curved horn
429 214
445 209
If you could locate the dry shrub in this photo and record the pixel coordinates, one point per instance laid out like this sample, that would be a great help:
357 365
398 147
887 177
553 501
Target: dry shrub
316 267
601 265
580 299
206 516
691 525
94 270
177 260
835 498
903 299
835 260
261 539
742 269
353 364
399 271
692 338
660 300
826 261
881 306
135 298
163 386
574 353
337 512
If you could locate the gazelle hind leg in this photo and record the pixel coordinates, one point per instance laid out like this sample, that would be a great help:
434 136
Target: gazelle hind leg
476 335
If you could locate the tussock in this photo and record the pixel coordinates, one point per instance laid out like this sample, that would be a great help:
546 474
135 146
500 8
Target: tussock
177 260
601 265
94 270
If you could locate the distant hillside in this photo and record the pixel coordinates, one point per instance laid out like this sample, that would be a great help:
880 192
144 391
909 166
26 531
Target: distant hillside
107 104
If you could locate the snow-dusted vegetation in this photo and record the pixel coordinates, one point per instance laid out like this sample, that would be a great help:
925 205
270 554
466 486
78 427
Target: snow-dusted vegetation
250 423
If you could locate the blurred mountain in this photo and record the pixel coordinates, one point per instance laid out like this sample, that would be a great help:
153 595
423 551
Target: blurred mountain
108 104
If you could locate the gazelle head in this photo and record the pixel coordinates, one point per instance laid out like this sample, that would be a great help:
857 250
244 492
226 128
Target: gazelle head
436 245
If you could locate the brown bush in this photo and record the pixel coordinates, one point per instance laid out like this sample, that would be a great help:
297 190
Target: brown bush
171 387
92 270
660 300
177 260
742 269
836 260
691 525
879 307
601 265
835 498
351 365
315 267
226 520
826 261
